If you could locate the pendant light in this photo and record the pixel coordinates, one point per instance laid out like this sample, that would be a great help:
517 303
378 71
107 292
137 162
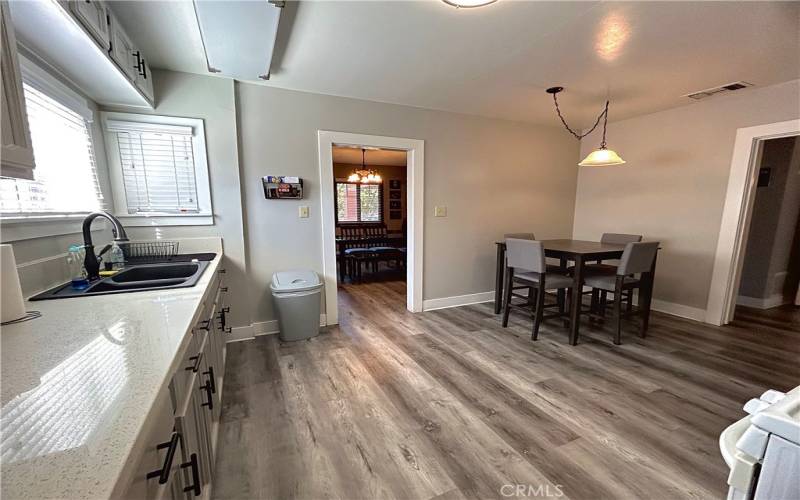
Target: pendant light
468 4
364 175
601 157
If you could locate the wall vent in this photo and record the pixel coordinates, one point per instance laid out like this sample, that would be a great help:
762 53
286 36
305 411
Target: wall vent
730 87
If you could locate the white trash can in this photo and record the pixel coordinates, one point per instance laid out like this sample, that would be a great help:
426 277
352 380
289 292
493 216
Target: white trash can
296 295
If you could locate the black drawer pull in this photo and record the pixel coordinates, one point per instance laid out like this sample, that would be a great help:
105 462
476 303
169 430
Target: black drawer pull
196 365
228 329
204 324
195 487
211 380
222 271
207 389
225 310
163 473
223 289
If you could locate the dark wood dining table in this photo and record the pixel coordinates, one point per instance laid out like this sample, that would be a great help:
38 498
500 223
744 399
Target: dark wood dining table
579 252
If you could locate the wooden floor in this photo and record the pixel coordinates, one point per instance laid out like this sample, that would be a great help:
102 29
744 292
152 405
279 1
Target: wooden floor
448 404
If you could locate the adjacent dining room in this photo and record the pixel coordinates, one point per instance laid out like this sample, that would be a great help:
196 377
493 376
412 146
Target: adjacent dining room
370 212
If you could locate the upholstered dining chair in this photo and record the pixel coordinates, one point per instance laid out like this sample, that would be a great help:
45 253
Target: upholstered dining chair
636 259
600 267
525 265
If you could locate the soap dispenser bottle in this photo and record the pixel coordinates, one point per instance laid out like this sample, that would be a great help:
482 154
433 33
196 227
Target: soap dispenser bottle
116 257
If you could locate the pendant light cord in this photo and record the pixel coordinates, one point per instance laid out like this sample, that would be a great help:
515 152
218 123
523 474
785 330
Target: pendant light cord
578 136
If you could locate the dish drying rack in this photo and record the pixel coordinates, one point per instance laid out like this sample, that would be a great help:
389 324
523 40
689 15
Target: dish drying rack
139 251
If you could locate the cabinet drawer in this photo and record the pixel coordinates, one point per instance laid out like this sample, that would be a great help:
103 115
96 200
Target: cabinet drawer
157 473
190 366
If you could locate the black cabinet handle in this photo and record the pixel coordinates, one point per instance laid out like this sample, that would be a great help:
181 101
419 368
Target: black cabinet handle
195 487
204 324
196 365
228 330
222 271
211 380
224 289
207 389
143 70
163 473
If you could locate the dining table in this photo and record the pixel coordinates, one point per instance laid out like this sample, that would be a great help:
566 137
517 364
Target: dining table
579 252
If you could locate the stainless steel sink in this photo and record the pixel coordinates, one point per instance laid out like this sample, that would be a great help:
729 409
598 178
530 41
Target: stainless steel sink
137 278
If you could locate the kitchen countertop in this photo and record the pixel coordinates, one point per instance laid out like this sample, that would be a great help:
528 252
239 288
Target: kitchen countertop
79 382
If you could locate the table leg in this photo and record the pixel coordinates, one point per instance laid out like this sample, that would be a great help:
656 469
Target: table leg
560 293
575 313
646 301
500 268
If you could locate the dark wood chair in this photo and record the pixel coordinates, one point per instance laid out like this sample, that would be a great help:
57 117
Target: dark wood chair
526 266
636 259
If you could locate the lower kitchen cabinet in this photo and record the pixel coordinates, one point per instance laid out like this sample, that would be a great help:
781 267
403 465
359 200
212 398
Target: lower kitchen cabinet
180 450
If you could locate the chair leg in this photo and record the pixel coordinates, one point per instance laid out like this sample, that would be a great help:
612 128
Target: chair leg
537 316
507 295
560 300
618 311
603 302
629 305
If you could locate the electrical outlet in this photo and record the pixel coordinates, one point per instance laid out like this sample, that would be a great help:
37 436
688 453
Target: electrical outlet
303 212
440 212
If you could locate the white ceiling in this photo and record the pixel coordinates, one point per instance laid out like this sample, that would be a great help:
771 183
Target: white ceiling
497 60
384 157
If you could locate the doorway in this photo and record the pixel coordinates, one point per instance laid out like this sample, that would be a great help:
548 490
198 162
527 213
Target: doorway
342 146
737 217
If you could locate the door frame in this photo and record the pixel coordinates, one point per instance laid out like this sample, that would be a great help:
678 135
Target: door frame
415 168
736 216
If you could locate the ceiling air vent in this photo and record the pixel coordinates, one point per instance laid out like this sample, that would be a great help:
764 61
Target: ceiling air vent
702 94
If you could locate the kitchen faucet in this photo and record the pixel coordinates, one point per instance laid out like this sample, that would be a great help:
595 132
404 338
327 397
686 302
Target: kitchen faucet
91 263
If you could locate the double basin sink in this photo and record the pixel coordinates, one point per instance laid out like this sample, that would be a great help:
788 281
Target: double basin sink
135 278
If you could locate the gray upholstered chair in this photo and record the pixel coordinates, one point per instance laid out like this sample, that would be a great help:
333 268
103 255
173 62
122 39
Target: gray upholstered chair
636 259
600 267
526 266
520 236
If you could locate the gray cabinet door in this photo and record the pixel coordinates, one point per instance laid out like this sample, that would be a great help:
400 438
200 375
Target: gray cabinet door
92 16
16 158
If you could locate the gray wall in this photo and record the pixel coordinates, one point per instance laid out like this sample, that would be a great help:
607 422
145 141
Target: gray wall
673 187
212 100
494 176
775 210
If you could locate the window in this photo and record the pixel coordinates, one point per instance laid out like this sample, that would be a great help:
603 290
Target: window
65 178
359 202
158 167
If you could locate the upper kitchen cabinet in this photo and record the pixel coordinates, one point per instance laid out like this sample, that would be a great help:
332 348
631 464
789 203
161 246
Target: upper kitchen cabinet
82 41
16 159
92 16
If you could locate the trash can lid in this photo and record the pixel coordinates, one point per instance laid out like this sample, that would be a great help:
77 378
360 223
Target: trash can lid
295 281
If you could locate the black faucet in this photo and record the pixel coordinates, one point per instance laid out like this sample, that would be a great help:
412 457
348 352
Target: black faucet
90 262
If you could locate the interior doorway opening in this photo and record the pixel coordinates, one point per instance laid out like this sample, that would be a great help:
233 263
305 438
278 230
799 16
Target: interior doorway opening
370 211
371 198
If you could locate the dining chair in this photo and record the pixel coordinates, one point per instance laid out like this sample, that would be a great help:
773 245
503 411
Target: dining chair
600 267
637 258
526 266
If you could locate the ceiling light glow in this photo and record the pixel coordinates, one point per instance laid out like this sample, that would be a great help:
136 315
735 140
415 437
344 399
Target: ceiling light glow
468 4
614 32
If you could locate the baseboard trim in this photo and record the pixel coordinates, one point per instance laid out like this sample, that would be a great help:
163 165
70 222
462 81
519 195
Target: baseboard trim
775 300
672 308
457 300
250 332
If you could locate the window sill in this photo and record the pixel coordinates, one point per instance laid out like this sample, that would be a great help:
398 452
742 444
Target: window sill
166 220
16 228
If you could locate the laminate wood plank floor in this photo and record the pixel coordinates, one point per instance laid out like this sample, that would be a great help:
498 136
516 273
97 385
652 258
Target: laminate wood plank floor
448 404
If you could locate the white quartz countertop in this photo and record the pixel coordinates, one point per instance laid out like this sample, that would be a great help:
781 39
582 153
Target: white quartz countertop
79 382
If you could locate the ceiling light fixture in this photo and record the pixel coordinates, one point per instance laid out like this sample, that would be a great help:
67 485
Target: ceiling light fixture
468 4
602 157
364 175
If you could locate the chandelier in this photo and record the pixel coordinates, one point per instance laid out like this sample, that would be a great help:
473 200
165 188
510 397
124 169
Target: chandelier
602 157
364 175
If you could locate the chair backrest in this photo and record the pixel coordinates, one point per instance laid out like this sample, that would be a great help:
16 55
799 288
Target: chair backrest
620 239
352 231
520 236
375 231
637 258
525 254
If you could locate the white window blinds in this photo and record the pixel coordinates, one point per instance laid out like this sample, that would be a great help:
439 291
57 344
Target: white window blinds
65 178
158 167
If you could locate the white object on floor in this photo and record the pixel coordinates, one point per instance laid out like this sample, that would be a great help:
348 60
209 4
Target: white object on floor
763 449
12 305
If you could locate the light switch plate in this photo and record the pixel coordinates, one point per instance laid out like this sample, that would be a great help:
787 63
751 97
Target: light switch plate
303 212
440 212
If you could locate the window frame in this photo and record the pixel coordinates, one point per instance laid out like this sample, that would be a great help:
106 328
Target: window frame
21 226
358 185
205 214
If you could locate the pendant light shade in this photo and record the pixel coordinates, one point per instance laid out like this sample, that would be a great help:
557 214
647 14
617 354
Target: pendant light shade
602 158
